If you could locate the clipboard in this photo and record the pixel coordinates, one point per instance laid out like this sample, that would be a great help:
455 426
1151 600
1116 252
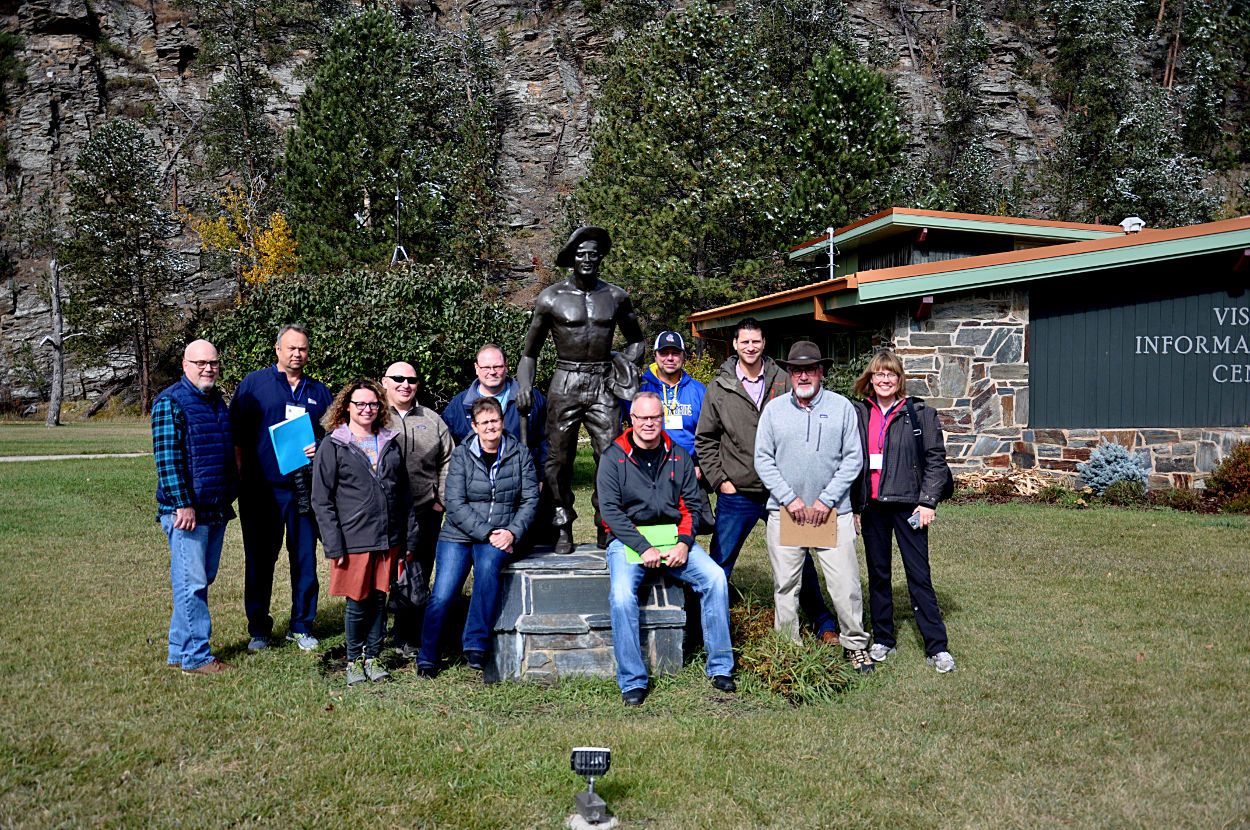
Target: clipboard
289 438
808 536
663 537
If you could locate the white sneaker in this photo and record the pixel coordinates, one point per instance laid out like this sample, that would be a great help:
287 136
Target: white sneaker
306 642
879 652
942 661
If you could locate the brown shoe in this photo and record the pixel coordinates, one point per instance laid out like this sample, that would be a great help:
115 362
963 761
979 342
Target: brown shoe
830 638
215 667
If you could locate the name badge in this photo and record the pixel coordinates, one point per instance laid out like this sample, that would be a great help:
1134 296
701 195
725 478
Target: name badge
672 421
874 460
293 411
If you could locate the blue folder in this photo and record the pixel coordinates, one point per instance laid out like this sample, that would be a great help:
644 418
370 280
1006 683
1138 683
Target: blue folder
289 439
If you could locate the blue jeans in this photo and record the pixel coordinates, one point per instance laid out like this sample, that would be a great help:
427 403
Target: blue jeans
193 559
736 517
709 583
452 561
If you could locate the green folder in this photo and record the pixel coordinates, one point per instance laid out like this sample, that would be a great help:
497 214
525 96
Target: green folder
663 537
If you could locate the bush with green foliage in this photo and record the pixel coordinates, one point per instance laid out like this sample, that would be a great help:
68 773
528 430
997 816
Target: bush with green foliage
1229 482
1124 493
432 316
1111 462
1175 498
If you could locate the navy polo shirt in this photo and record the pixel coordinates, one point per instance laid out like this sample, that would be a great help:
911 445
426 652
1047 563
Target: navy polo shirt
260 402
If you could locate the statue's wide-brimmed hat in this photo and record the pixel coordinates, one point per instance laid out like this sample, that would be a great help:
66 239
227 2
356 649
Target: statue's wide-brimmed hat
804 353
565 258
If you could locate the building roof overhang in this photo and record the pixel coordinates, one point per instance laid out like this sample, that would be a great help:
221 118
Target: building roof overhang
901 220
829 300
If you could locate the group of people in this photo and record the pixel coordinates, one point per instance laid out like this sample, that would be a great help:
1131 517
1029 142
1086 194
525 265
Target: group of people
392 485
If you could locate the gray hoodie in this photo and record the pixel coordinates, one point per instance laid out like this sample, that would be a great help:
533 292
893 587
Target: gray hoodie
809 453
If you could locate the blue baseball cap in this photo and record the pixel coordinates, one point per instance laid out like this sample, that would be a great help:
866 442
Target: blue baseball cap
669 340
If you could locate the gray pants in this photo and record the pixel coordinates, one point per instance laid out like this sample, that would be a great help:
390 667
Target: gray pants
841 569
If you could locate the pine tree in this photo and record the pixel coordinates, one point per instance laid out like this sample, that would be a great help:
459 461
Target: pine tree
124 275
386 108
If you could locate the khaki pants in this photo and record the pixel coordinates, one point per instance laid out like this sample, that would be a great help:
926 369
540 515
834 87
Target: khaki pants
841 567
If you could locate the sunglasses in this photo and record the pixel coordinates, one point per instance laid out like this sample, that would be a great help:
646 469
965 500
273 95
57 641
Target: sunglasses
410 379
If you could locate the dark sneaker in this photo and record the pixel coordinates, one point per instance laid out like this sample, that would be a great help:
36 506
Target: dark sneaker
407 651
375 671
860 660
257 644
428 672
214 666
475 660
634 697
724 683
356 672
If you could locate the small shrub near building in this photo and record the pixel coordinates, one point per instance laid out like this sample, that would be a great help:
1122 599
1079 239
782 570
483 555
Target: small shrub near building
1110 463
1229 483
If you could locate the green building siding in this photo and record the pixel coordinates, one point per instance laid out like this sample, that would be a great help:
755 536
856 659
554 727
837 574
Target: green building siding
1100 356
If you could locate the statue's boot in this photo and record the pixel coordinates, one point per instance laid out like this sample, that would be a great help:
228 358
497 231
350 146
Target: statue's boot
564 539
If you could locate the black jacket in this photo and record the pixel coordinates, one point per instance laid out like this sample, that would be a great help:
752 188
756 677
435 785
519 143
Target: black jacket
628 497
904 480
480 500
357 509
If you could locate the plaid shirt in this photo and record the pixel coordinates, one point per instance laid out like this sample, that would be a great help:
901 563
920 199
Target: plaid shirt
169 445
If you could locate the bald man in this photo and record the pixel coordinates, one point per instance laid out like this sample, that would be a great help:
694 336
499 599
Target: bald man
196 482
427 444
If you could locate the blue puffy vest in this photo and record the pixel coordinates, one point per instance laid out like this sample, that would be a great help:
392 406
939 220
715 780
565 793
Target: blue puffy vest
210 446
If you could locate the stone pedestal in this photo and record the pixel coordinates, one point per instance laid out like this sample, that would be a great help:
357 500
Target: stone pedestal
554 619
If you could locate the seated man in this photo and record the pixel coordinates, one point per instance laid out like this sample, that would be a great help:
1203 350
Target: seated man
645 480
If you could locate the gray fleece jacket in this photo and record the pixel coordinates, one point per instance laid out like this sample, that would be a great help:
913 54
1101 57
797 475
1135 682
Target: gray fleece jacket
809 453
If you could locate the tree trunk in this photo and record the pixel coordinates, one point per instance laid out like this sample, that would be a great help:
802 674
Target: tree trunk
58 350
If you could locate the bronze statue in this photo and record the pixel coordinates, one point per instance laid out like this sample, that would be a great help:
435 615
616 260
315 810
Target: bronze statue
581 313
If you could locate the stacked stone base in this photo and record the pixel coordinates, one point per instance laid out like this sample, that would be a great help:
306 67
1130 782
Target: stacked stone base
554 620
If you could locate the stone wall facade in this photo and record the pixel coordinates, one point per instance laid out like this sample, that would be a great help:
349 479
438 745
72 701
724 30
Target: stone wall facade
969 360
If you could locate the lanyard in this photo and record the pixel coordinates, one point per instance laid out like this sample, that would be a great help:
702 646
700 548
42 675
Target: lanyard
671 409
885 422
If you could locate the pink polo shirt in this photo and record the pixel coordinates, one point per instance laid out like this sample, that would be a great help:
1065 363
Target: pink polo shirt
878 421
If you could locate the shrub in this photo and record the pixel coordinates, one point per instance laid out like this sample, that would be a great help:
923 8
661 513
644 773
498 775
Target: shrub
800 672
1175 499
1237 504
1052 494
999 490
1125 493
1110 463
1230 480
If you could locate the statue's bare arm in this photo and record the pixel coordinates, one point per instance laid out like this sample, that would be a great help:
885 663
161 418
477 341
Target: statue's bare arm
631 329
527 366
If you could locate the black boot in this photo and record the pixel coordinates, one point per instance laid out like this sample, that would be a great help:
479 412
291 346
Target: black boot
564 540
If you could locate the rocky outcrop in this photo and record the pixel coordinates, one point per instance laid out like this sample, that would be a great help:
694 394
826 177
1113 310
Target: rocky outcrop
87 61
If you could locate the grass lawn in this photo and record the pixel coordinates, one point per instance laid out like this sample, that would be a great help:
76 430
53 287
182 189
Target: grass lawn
117 435
1104 681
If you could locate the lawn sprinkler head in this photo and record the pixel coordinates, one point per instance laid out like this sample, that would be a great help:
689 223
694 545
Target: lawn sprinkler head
591 762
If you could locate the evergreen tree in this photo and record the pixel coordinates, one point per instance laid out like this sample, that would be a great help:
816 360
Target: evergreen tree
389 107
711 153
845 142
123 273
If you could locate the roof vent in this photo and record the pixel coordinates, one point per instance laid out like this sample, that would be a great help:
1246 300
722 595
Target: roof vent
1133 224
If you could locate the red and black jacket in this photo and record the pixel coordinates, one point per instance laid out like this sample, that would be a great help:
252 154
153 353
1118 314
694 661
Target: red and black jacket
628 497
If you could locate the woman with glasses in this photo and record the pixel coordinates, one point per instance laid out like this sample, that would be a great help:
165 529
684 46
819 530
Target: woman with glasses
897 494
364 513
491 498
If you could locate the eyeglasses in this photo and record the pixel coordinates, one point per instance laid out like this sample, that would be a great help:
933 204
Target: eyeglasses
365 406
885 376
490 422
205 364
807 370
409 379
499 368
647 419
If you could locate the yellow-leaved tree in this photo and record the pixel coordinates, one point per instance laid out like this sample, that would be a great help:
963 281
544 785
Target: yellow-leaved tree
256 247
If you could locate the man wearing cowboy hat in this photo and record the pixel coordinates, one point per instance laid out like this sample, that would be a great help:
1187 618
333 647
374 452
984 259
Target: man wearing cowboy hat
581 314
807 453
